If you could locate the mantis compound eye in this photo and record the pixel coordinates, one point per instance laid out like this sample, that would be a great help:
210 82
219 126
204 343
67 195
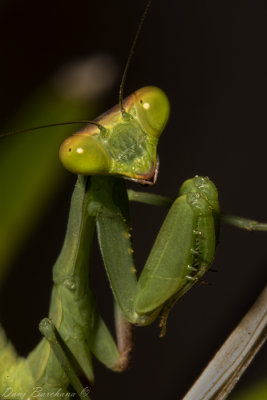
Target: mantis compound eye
84 155
153 109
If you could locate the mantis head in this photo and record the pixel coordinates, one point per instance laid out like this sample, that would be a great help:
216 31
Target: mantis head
121 143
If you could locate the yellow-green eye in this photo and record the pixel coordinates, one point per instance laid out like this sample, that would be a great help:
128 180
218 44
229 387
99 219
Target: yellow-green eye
84 155
153 109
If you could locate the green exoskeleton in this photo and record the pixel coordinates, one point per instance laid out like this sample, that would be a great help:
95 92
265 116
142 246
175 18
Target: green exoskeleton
124 144
121 144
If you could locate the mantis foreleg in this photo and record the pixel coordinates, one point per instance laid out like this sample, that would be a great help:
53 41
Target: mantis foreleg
75 329
73 309
183 251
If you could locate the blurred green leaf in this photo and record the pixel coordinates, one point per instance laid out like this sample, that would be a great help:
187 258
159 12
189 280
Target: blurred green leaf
30 172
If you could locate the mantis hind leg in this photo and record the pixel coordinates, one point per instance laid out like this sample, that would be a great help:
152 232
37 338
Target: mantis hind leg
244 223
163 201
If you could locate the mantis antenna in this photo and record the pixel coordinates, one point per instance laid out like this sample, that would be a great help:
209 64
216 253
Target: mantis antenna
101 128
130 57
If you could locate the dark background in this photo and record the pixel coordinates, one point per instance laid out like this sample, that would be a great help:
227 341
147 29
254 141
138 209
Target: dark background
210 58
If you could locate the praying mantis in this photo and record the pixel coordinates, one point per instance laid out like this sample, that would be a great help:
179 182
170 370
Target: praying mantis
172 174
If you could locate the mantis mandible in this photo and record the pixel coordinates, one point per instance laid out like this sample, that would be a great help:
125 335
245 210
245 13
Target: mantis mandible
193 220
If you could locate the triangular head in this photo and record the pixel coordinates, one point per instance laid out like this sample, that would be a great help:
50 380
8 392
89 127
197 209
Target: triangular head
124 143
